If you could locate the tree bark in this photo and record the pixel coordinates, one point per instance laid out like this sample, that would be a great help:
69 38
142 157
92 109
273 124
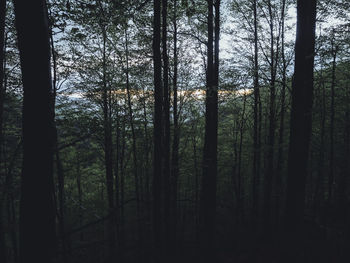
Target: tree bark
176 139
107 125
208 191
158 131
280 156
270 171
300 125
166 147
36 205
257 120
240 182
3 252
331 178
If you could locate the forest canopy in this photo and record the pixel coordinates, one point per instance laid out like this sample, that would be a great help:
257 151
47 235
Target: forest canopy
174 131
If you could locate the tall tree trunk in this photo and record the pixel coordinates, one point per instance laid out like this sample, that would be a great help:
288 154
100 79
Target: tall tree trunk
176 139
108 149
208 192
320 166
3 252
158 132
122 183
196 174
300 125
59 167
240 182
257 120
147 148
134 150
166 109
2 73
37 216
331 178
270 171
280 156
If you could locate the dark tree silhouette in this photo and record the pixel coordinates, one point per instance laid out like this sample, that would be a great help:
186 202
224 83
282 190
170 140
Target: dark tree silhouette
3 256
166 109
158 128
176 139
36 205
300 125
257 120
209 166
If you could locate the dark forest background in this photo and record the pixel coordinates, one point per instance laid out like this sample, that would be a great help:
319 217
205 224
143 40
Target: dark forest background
130 133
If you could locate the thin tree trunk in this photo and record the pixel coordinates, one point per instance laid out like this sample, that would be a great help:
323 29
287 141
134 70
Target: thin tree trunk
257 120
147 148
196 174
134 151
270 172
158 133
176 139
280 156
3 249
320 166
2 74
331 181
59 168
12 222
80 194
117 181
108 149
208 192
240 206
166 109
122 183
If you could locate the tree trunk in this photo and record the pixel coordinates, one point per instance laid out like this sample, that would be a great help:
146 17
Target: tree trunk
80 195
108 149
331 181
3 251
59 168
176 140
117 186
240 182
208 192
320 166
134 151
158 132
270 171
300 125
12 222
122 183
257 120
166 147
36 205
280 157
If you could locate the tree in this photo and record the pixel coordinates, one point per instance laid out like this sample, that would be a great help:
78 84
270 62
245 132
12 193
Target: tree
300 124
176 141
3 256
209 166
36 205
257 119
158 129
